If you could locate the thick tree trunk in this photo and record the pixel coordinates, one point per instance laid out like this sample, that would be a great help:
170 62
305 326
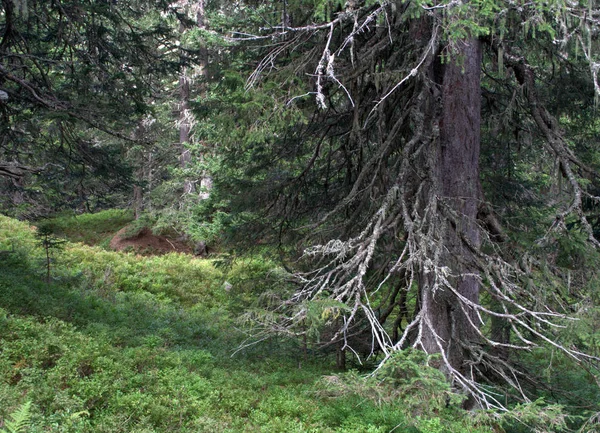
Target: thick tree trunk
449 329
18 197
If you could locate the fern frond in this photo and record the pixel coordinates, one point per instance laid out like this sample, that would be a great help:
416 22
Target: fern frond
20 420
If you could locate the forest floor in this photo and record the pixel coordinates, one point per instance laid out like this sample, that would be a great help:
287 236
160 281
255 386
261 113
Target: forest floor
118 342
147 243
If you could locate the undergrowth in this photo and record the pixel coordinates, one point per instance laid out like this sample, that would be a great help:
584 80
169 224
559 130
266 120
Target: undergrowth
121 343
90 229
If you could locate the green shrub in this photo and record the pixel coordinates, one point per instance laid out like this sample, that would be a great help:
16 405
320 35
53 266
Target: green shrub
176 276
17 241
91 229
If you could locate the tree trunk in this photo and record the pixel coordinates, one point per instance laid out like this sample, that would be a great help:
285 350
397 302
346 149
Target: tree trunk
205 184
18 197
448 328
185 115
138 201
185 127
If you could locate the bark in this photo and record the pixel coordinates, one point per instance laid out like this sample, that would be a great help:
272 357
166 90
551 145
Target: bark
18 197
138 201
450 326
185 115
408 176
340 357
205 179
185 127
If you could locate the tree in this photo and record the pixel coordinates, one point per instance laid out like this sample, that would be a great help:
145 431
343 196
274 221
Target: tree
385 174
75 79
186 117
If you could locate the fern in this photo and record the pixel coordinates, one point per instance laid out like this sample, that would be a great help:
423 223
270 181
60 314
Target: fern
21 418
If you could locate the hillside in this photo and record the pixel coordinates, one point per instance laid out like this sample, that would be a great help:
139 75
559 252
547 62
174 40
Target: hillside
122 343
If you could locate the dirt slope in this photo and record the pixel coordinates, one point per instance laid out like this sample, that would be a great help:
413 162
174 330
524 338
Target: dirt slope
146 243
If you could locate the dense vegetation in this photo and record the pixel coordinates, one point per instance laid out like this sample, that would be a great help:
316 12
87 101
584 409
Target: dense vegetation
401 192
117 342
122 343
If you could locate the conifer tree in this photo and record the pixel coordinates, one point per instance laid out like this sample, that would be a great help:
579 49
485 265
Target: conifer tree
384 171
75 78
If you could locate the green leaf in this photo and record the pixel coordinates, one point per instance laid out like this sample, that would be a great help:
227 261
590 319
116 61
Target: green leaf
21 419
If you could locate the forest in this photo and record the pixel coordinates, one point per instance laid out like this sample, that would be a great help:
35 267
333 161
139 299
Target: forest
363 216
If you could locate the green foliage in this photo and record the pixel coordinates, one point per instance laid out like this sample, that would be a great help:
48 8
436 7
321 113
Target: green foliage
17 240
90 228
428 404
20 420
410 376
158 309
324 10
320 313
72 107
255 274
124 344
536 416
50 243
175 276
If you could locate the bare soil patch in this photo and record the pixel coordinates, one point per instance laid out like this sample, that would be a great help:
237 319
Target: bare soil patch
144 242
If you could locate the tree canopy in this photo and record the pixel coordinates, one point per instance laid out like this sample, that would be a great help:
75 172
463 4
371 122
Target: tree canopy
75 77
